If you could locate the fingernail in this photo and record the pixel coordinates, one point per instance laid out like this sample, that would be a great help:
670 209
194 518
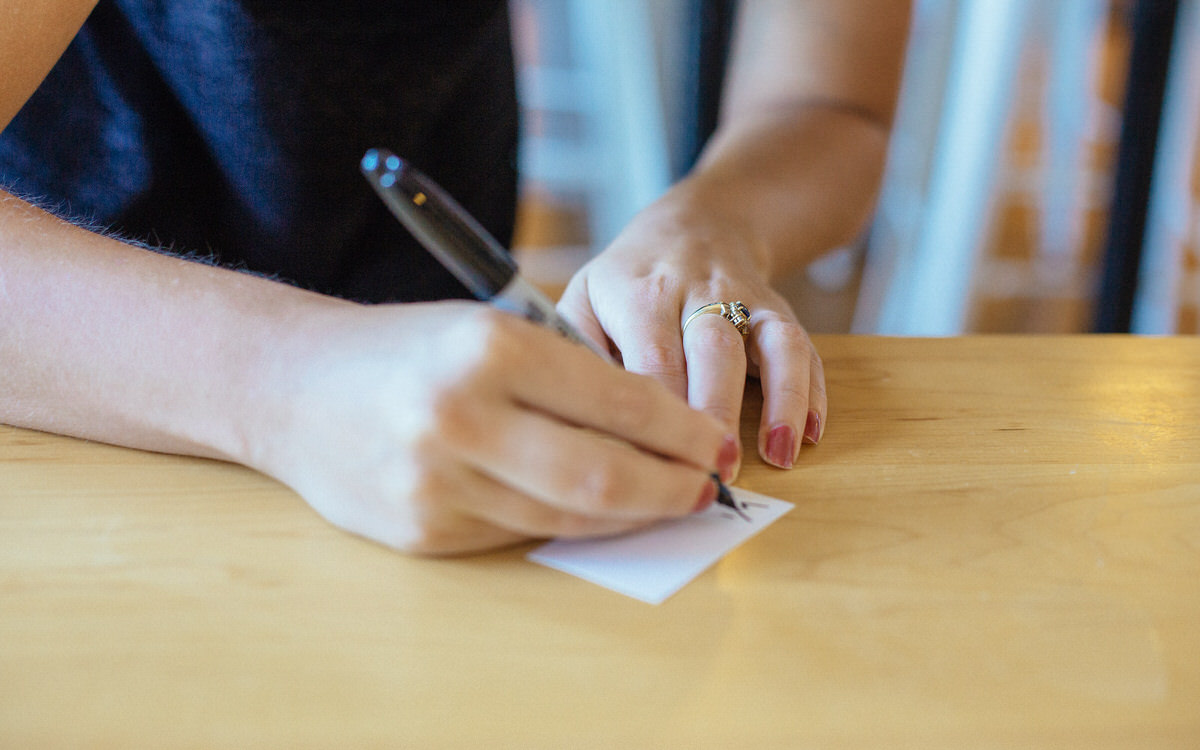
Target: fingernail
727 461
812 428
708 496
781 446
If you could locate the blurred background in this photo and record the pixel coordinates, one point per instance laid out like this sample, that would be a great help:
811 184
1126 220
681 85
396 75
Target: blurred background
1043 178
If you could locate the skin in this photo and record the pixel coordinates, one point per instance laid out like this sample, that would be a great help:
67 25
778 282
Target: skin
389 433
791 173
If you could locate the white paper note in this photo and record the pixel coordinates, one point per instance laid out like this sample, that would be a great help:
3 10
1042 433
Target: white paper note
653 564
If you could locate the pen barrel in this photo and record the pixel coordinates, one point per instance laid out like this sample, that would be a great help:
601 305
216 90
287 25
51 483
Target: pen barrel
461 243
444 227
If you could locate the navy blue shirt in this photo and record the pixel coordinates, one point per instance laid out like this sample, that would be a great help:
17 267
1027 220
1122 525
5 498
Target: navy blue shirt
234 128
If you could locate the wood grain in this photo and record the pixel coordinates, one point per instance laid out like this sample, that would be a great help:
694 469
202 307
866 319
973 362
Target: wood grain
996 545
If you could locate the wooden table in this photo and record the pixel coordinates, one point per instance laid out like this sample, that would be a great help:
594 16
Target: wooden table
996 545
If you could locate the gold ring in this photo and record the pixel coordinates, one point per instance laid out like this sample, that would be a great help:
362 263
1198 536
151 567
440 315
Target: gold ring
735 312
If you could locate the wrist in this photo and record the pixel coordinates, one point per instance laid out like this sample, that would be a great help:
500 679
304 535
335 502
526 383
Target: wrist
800 181
282 341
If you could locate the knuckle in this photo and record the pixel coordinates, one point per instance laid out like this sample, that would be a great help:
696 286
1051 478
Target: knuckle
724 413
817 387
791 387
489 342
791 393
604 487
817 378
657 282
630 408
504 340
787 334
423 490
453 417
716 339
660 359
681 493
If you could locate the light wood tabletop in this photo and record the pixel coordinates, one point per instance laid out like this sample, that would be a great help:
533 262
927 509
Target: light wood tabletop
997 545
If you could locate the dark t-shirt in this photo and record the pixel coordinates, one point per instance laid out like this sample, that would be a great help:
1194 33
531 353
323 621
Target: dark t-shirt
235 128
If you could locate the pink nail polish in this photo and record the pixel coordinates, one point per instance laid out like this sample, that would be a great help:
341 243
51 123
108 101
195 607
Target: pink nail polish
708 496
812 428
728 458
781 446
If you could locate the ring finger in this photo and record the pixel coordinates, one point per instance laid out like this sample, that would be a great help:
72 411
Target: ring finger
716 378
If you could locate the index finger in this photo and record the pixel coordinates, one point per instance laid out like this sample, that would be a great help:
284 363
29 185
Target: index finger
582 389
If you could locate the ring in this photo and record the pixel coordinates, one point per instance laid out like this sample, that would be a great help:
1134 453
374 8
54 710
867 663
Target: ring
735 312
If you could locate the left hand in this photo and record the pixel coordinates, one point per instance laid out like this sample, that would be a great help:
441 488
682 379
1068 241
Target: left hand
635 296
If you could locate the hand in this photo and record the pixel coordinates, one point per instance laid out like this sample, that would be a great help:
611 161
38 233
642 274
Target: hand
450 427
635 296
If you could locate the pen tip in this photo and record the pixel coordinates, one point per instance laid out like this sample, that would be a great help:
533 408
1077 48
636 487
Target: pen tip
725 497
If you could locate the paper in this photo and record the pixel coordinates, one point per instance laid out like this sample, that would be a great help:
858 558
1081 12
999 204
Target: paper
653 564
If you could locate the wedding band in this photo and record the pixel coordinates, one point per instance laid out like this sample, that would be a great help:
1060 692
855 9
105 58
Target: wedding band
735 312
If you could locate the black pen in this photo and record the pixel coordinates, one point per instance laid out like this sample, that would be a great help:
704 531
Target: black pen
469 252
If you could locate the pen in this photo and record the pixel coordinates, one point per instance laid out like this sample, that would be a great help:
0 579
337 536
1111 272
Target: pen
469 252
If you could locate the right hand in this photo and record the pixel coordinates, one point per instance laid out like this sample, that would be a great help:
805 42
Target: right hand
450 427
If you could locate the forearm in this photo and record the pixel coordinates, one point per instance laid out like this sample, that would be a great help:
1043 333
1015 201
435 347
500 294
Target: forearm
113 343
797 159
795 181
